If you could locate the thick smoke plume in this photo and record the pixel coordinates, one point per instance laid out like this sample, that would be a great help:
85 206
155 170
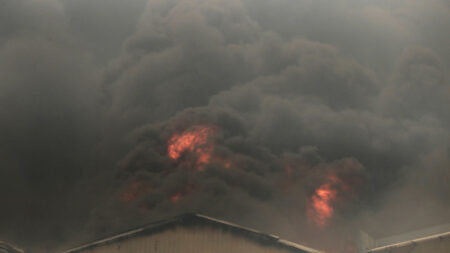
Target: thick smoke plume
308 119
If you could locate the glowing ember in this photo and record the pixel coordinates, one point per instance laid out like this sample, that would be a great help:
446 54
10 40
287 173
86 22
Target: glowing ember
194 140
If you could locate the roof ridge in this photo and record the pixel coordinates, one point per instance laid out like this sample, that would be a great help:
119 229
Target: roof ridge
186 218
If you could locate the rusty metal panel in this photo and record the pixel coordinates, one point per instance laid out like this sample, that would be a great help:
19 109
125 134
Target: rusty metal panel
187 240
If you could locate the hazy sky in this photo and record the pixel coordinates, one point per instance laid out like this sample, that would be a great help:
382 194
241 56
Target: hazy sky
293 92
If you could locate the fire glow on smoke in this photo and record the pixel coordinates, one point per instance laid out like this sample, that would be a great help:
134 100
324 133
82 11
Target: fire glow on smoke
194 146
195 140
135 190
320 204
321 208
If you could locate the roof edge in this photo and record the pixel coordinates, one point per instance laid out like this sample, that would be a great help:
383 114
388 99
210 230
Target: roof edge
10 247
405 243
185 219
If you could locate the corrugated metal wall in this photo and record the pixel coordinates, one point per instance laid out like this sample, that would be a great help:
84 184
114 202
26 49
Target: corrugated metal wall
187 240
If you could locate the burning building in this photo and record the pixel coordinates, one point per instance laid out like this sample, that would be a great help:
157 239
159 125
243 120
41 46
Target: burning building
191 233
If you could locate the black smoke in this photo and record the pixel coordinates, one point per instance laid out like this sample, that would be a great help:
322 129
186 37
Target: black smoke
92 91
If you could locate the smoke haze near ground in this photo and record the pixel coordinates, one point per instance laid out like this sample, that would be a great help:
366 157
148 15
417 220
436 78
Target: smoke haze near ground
297 92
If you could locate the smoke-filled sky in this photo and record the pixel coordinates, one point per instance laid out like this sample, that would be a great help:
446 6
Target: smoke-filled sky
311 119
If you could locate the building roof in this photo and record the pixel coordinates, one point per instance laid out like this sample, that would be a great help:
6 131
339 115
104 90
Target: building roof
413 235
6 247
411 242
190 219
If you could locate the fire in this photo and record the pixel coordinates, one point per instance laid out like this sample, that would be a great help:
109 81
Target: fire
194 140
135 191
321 209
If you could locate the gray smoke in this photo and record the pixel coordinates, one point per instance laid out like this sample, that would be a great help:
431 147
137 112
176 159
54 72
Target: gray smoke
91 92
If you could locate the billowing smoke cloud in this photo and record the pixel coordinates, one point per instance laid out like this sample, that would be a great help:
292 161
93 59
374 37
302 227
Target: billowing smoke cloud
310 119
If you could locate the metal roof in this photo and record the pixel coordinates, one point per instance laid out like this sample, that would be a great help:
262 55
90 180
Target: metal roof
412 235
411 242
191 219
6 247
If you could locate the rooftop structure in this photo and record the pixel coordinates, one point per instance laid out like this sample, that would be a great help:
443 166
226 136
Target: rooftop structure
434 239
192 233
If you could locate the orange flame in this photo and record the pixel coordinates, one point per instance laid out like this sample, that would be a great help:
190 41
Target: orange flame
194 140
321 209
